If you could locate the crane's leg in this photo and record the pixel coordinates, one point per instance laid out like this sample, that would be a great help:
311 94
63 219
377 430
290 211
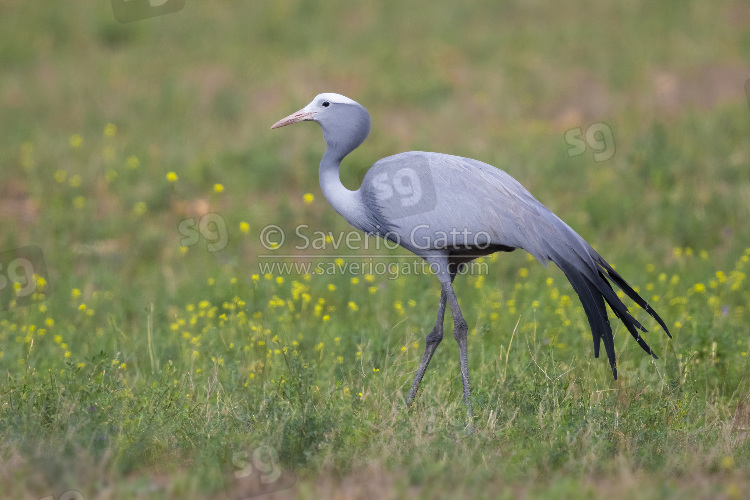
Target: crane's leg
431 343
460 330
446 272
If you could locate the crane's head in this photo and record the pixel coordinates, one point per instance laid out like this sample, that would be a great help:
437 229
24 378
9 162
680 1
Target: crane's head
345 122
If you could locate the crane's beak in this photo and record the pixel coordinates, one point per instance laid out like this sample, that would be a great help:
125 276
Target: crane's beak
299 116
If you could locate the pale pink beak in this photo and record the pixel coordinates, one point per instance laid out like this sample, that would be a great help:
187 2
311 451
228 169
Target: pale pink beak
299 116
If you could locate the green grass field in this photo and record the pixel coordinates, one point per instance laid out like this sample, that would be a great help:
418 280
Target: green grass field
157 356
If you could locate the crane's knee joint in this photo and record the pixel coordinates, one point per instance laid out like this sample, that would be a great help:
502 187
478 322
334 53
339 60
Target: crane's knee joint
460 329
434 337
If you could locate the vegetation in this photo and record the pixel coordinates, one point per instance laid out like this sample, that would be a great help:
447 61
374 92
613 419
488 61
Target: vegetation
157 354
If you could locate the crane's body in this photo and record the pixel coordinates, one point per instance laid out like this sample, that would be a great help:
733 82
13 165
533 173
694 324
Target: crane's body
450 210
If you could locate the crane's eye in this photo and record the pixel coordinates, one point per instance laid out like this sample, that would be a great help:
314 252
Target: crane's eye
326 104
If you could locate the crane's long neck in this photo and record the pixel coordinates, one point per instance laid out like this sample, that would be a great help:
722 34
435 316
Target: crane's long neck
344 201
345 127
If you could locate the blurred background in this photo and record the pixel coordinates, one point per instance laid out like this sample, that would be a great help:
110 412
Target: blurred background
629 120
194 91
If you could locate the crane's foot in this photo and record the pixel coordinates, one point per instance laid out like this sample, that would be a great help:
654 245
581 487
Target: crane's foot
470 425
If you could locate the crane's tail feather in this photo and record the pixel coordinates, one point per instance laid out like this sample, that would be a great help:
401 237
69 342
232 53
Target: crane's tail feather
593 304
586 274
630 323
620 282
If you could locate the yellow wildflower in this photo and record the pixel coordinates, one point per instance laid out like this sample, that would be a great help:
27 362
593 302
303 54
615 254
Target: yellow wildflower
139 208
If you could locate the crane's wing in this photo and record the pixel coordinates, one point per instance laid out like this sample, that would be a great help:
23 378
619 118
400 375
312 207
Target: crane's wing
432 202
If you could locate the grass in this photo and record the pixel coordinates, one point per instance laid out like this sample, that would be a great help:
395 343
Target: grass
157 356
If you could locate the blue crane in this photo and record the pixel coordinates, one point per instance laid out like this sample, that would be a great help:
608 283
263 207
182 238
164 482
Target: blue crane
450 210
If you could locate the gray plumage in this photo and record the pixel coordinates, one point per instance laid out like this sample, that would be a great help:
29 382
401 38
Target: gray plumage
450 210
